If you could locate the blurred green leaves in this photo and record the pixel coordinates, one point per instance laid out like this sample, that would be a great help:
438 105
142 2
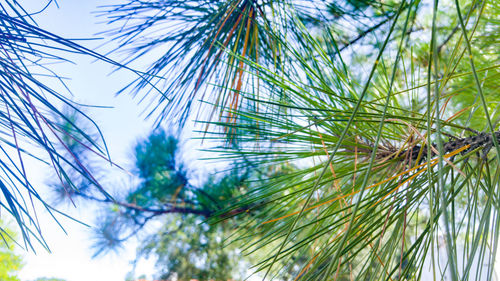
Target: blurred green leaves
10 262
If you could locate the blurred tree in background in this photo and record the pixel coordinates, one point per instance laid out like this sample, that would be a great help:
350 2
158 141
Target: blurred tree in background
184 246
167 212
10 262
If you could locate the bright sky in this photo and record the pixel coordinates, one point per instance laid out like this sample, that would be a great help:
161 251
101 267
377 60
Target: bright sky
122 126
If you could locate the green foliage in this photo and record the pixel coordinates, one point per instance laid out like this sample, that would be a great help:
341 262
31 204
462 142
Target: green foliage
360 98
10 262
363 196
156 164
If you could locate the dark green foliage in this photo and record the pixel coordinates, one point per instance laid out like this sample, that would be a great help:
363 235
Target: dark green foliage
185 247
157 166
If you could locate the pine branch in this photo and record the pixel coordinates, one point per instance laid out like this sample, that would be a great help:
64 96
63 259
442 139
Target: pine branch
483 140
366 32
154 211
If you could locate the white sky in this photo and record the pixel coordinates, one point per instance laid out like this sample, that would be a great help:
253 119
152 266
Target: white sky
122 126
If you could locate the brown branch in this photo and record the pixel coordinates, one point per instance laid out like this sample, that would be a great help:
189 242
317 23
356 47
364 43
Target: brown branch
366 32
453 31
154 211
483 140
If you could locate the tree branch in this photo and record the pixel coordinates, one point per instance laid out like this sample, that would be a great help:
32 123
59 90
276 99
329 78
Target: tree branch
366 32
155 211
480 140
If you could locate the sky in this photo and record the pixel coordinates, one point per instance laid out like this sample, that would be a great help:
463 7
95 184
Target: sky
122 125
